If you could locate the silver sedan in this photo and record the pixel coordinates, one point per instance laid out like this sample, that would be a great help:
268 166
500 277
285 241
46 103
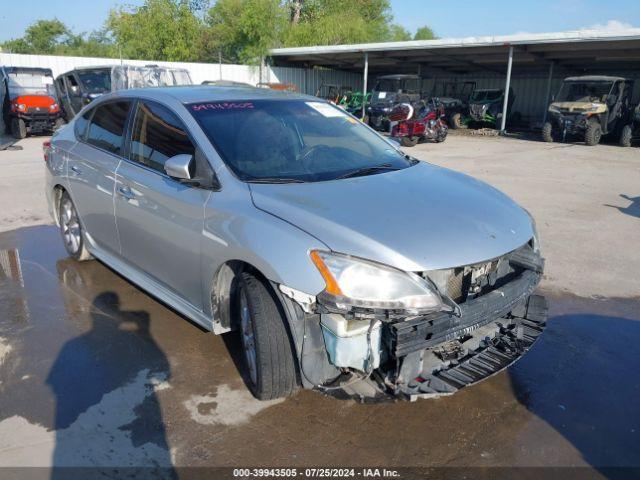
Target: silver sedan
345 264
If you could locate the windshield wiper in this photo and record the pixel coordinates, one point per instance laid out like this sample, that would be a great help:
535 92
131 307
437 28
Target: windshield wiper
275 180
367 171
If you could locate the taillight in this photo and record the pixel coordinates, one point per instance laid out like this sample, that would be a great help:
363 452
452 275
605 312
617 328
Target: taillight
46 150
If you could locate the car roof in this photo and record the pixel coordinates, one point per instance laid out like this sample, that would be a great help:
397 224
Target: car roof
595 78
210 93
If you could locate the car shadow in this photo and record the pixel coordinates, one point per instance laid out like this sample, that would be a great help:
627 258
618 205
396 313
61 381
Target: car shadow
582 380
632 209
106 406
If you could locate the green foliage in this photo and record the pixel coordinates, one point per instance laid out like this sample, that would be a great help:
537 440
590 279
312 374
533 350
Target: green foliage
54 38
240 30
244 30
424 33
158 30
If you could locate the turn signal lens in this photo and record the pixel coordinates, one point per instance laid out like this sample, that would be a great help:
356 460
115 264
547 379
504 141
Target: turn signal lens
332 285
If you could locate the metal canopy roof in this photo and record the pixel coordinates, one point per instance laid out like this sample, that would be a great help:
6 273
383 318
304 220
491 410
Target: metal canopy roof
575 51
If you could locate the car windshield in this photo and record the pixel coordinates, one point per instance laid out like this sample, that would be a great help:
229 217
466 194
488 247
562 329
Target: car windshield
294 140
584 91
29 83
98 81
486 95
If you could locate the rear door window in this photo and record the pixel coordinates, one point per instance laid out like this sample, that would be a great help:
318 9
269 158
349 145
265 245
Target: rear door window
80 125
158 135
107 125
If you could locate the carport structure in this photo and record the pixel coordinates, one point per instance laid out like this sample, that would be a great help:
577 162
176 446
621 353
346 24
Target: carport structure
538 62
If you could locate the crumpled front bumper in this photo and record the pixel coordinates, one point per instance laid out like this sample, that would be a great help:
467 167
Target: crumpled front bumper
512 337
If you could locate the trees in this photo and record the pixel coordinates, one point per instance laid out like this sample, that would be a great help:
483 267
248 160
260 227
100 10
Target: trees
158 30
240 30
424 33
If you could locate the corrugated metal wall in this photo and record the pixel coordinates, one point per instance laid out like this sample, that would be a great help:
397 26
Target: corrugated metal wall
307 80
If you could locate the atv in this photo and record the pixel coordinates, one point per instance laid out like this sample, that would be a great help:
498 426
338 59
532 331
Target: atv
454 96
485 107
589 108
389 91
30 104
423 120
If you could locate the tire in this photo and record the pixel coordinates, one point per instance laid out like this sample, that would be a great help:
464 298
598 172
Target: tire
626 136
71 229
442 135
18 128
409 141
58 124
455 121
266 345
547 132
593 134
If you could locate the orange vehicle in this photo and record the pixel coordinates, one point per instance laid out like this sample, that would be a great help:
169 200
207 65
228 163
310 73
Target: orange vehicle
29 101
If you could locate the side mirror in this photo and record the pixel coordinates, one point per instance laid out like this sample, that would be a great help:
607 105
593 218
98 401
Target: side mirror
180 167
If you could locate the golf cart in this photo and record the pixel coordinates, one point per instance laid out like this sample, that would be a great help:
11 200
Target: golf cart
29 101
79 87
389 91
454 97
485 107
590 107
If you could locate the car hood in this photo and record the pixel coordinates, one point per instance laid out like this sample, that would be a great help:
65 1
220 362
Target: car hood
419 218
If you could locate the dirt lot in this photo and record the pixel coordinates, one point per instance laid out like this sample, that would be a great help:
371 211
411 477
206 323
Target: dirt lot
94 371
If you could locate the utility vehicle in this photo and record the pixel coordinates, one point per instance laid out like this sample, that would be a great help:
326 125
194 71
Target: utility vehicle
485 107
590 107
29 101
389 91
80 86
454 97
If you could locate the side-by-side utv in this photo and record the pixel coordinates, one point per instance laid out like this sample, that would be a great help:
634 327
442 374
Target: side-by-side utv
485 107
29 101
589 108
454 97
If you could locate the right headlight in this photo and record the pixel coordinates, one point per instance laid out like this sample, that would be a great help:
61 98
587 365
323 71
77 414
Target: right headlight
354 282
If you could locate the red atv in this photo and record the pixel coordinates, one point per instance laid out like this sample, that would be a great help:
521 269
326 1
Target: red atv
29 104
423 120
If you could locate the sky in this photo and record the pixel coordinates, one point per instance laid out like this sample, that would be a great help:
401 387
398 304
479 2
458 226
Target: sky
462 18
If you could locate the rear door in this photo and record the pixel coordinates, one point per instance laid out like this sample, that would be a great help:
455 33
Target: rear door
160 220
92 167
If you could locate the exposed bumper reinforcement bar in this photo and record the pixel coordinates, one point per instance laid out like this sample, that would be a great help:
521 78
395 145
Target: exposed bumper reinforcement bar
514 337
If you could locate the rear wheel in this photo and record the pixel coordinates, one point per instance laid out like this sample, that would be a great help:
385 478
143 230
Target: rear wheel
268 353
71 229
547 132
18 128
409 141
455 121
626 136
593 134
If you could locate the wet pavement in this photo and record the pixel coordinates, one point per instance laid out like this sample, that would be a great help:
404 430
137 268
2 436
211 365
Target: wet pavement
93 371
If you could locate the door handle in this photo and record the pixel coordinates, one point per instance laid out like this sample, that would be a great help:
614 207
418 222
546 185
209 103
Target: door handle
76 170
126 193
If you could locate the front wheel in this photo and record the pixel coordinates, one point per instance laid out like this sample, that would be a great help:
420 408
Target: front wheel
626 136
18 128
593 134
71 229
409 141
547 132
455 121
268 352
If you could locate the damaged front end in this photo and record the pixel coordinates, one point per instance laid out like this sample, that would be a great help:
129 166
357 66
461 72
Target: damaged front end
426 334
